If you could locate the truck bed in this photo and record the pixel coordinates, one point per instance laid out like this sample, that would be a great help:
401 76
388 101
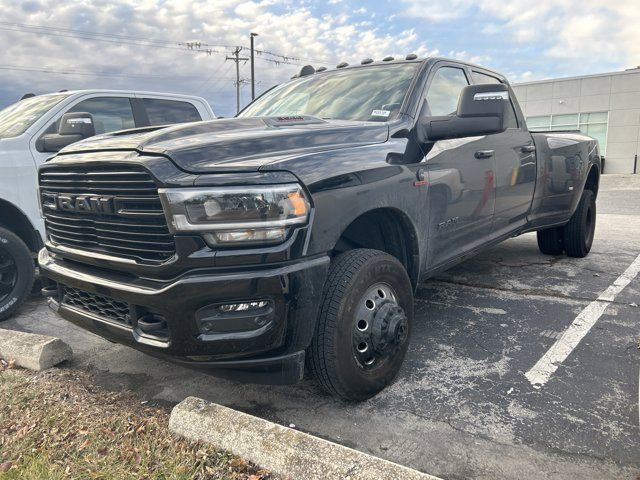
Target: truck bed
562 160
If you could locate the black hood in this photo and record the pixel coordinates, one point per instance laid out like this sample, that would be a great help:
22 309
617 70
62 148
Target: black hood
239 142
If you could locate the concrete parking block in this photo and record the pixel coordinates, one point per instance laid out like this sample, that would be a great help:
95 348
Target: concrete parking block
283 450
31 351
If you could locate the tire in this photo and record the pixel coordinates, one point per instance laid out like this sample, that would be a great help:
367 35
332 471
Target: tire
551 241
17 273
579 232
364 324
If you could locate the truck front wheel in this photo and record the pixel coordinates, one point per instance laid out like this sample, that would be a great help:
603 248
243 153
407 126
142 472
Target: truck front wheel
17 273
364 324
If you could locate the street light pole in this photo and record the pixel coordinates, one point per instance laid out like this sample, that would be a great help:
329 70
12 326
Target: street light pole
253 75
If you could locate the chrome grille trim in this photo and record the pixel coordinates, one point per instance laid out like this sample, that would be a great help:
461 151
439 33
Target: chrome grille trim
134 229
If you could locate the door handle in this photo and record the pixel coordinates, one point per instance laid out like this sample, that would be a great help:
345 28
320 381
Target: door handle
481 154
528 149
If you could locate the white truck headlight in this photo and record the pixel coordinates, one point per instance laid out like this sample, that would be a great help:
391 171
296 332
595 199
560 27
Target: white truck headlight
237 215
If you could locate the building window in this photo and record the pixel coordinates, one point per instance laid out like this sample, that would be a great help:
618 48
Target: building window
593 124
565 122
539 123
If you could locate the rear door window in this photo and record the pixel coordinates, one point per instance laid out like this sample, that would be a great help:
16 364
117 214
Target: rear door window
166 112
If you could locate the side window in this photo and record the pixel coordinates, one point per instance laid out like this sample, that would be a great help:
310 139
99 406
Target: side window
165 112
482 78
512 119
109 113
444 91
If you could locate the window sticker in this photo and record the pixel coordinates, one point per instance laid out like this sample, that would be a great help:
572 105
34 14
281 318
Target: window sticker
381 113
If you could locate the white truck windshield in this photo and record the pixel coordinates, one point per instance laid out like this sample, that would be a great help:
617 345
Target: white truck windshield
16 118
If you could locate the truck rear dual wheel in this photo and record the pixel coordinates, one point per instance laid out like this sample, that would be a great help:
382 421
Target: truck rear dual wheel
579 232
17 273
364 324
576 237
551 241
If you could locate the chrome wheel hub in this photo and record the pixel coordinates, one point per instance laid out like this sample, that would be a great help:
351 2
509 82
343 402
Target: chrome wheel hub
380 327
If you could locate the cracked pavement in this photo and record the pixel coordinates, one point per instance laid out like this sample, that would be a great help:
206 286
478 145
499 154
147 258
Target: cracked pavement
461 406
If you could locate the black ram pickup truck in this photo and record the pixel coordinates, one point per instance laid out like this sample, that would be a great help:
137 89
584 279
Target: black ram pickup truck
297 232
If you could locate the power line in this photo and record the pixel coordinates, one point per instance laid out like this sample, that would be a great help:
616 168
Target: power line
193 46
154 41
291 57
216 81
97 74
140 41
82 32
146 43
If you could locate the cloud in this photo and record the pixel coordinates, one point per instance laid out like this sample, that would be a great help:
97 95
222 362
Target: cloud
319 37
525 40
466 57
584 33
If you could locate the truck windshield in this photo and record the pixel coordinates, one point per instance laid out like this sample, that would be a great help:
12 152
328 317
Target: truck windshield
373 93
16 118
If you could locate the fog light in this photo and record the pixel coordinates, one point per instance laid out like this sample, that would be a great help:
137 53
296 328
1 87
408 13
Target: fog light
230 318
241 307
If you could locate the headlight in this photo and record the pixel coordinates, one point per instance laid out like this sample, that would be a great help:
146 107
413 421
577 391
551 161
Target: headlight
237 215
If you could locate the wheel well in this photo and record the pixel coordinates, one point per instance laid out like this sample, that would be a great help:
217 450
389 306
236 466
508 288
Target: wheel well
593 180
13 219
384 229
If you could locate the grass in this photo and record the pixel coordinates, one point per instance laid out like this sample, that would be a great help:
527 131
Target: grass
58 425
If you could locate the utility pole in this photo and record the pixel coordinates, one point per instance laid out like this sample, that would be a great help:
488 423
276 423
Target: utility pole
253 73
237 58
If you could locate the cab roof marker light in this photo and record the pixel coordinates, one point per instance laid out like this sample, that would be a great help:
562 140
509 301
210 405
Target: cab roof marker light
307 70
320 69
388 59
342 65
366 61
411 56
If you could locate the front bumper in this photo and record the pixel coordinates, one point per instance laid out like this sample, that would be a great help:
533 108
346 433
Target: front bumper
119 307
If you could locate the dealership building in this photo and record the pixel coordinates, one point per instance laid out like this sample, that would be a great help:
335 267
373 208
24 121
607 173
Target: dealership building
605 106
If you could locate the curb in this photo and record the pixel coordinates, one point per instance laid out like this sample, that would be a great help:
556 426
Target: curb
32 351
282 450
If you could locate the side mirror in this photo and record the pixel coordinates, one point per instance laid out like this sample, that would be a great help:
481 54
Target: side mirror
481 111
77 123
73 127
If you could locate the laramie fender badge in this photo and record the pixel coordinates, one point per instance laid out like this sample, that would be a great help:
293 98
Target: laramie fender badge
421 178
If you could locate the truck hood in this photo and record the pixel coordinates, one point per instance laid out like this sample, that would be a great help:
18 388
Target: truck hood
239 143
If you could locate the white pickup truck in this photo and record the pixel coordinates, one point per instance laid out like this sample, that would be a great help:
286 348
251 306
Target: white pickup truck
31 132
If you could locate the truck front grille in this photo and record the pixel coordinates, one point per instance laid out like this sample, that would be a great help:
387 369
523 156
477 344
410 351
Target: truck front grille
104 307
109 209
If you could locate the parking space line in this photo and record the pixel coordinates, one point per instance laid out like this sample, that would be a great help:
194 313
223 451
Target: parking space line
541 372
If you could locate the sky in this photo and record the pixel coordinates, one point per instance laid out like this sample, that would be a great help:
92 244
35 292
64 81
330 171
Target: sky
50 45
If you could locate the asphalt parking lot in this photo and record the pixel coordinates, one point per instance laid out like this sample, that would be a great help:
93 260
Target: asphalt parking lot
464 406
